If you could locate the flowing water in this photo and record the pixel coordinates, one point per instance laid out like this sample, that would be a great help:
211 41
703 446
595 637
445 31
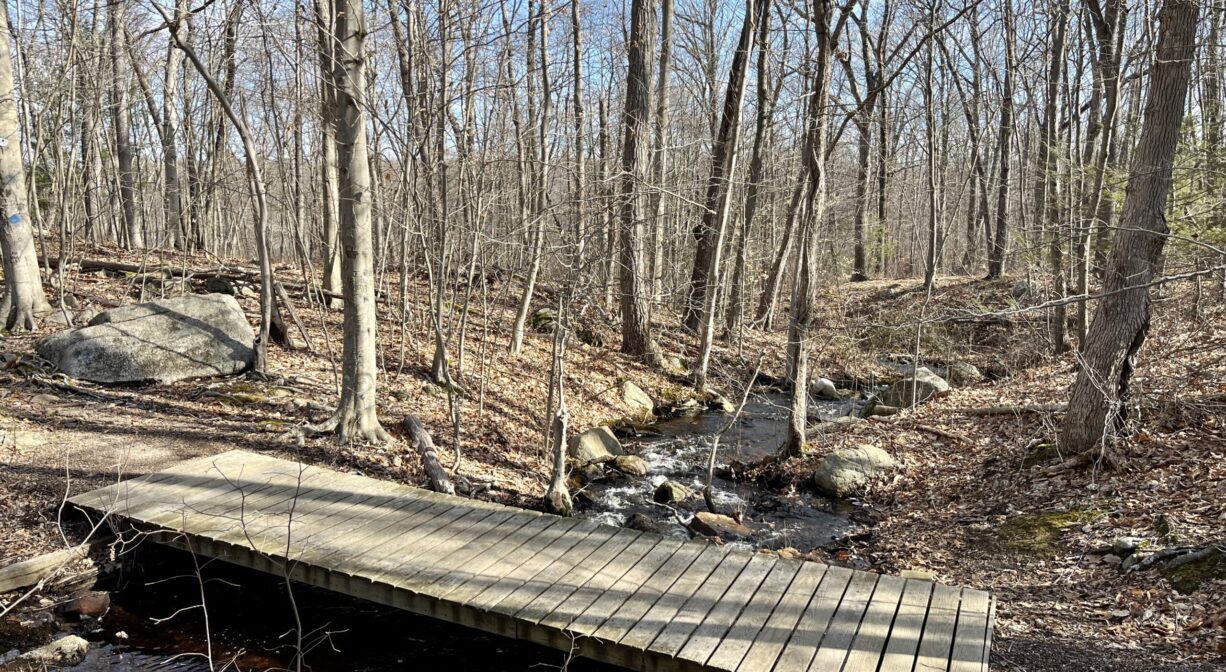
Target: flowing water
678 449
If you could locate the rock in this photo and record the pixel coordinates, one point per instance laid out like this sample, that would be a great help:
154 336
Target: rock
69 650
688 408
44 399
671 492
56 318
719 402
544 321
219 284
173 286
717 525
1126 546
823 388
163 341
875 407
962 373
630 465
642 522
595 445
592 471
848 471
638 405
925 383
90 605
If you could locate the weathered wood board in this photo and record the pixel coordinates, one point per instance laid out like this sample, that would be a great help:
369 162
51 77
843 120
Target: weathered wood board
611 594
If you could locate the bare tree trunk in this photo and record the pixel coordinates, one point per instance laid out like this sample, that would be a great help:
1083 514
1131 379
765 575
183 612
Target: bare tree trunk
1047 197
170 132
581 231
659 156
120 117
636 325
1109 27
757 170
356 418
1000 243
1098 402
23 295
804 294
541 190
765 316
934 212
723 167
325 20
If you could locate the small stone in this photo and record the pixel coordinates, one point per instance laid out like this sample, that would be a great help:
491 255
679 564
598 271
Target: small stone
44 399
642 522
630 465
1126 546
962 373
90 605
544 321
718 525
671 492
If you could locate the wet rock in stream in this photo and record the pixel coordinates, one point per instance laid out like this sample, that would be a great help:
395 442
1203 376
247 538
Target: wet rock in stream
676 453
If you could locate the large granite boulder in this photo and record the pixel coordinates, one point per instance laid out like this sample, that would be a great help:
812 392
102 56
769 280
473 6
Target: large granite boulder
595 445
925 384
848 471
161 341
637 404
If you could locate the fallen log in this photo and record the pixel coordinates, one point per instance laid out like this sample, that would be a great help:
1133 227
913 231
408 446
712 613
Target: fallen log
419 439
1015 410
49 568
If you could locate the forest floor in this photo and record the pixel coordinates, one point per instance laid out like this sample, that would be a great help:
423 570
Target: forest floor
981 500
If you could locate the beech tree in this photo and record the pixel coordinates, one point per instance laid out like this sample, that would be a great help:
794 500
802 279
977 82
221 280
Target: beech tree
356 418
23 297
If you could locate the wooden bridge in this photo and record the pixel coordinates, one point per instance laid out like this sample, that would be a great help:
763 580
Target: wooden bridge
629 598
